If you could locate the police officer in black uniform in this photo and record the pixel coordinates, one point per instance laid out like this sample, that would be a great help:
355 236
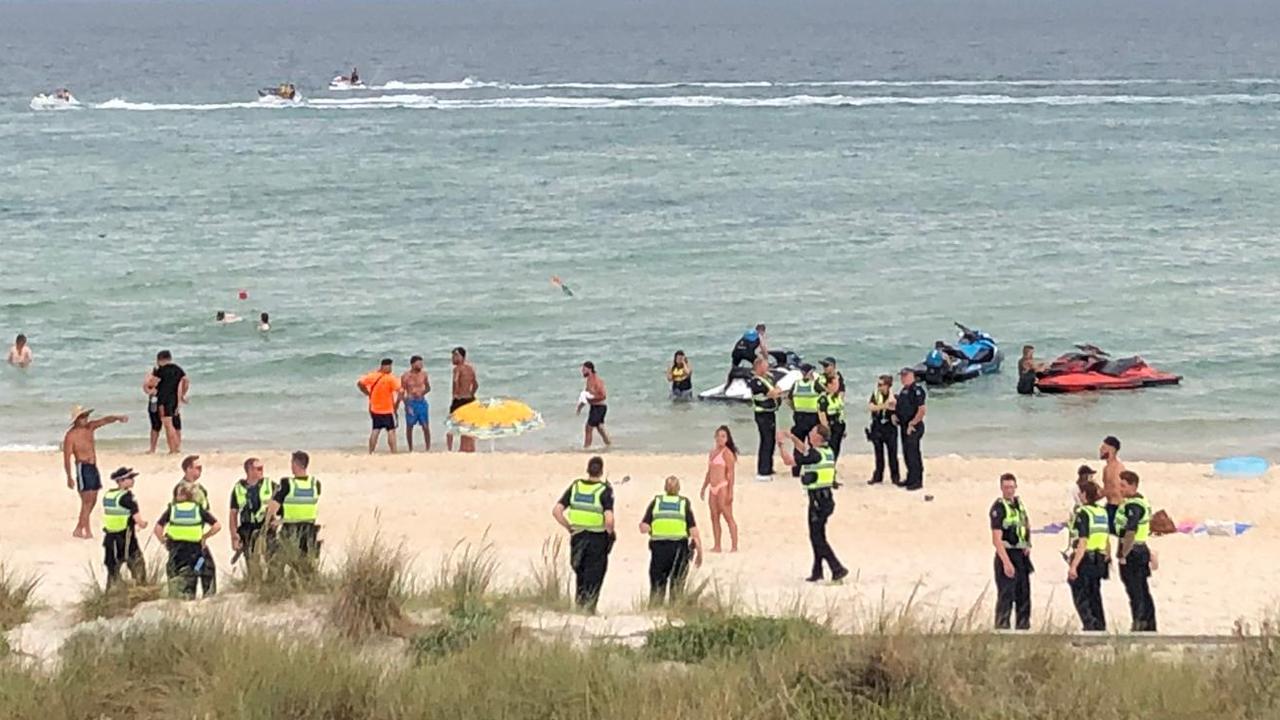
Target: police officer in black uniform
817 465
1133 525
1011 536
909 417
764 401
883 431
831 403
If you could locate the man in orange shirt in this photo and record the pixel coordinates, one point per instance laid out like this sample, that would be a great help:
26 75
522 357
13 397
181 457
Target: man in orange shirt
383 390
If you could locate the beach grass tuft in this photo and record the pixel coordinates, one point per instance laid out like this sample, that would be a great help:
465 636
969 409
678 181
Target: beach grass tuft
727 636
547 585
464 579
97 600
17 596
370 589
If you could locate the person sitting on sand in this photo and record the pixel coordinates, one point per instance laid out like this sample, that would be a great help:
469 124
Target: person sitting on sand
719 481
20 353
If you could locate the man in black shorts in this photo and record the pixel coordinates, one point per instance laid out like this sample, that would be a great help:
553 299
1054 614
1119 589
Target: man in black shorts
465 387
171 388
594 396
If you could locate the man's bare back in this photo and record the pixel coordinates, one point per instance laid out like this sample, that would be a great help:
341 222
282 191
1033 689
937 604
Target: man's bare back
415 384
464 381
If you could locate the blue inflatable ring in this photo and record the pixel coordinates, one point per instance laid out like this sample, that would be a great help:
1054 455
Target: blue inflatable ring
1241 466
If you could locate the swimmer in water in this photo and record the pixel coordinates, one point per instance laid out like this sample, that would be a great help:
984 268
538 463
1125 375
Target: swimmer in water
264 323
225 318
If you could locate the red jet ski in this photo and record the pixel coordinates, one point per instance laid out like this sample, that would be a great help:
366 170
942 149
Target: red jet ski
1092 369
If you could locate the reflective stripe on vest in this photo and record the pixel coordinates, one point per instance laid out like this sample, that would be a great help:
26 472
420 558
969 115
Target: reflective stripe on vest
586 510
1015 516
823 471
1144 525
185 523
300 503
1099 528
804 396
114 517
761 402
669 522
241 491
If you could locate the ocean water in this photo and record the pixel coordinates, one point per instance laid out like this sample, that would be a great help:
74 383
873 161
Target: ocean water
855 174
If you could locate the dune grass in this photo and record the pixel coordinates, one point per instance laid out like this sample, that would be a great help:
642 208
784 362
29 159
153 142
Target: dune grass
99 601
17 596
369 591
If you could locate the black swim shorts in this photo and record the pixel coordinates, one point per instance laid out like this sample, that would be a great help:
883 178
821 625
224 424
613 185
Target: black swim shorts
383 422
595 417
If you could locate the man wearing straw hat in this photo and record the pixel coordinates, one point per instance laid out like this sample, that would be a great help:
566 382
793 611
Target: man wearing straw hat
78 444
121 521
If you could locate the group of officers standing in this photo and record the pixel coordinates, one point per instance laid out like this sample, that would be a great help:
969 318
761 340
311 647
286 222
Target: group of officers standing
273 520
1092 524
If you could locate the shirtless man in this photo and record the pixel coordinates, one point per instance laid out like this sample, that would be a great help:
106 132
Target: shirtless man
20 353
595 396
415 385
1109 452
465 386
78 444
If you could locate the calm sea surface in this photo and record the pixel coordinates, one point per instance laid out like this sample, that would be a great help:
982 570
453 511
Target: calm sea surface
855 174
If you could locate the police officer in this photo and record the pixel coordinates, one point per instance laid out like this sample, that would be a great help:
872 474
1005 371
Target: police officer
184 527
1133 525
121 520
805 395
883 431
1011 536
764 401
586 511
831 402
295 502
817 467
250 499
1089 561
192 469
673 537
909 417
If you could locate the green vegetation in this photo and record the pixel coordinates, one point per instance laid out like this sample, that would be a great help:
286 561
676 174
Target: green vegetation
728 636
99 601
369 591
17 597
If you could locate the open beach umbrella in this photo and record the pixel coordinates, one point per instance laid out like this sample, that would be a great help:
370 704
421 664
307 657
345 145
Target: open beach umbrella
494 418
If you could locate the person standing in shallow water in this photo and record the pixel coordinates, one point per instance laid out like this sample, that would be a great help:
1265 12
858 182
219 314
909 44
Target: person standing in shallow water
680 375
596 399
720 481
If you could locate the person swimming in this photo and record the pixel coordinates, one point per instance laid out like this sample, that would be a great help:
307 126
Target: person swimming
225 318
680 375
264 323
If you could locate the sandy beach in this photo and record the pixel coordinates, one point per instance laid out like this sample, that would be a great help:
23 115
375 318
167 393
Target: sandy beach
896 543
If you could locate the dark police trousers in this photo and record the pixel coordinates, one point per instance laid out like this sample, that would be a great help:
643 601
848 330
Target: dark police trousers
884 438
911 456
802 423
589 558
838 430
121 548
668 566
1014 591
1134 574
821 505
184 557
767 424
255 543
1086 591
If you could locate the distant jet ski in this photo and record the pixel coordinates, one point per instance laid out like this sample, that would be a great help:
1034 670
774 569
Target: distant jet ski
784 368
59 99
975 353
285 92
347 82
1092 369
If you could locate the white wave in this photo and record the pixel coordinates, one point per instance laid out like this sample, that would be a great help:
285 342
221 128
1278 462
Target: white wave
471 83
121 104
598 102
22 447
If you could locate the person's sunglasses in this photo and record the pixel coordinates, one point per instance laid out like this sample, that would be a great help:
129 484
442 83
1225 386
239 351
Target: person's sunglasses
257 468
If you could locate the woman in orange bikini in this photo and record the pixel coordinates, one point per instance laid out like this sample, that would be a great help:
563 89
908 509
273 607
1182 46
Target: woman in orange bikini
720 481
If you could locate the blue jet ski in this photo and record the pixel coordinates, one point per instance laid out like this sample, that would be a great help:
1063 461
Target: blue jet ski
975 353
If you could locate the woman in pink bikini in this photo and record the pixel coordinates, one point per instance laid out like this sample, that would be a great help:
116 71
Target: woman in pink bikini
720 481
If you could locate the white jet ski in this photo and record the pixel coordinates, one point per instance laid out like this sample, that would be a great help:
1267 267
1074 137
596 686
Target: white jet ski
784 368
342 83
58 100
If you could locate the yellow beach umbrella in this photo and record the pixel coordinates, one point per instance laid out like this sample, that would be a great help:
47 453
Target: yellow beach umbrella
494 418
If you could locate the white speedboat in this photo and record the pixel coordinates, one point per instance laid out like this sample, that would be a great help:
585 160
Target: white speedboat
57 100
785 370
341 83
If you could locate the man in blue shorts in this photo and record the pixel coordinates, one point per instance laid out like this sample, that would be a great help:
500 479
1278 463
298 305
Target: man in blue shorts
415 385
78 445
